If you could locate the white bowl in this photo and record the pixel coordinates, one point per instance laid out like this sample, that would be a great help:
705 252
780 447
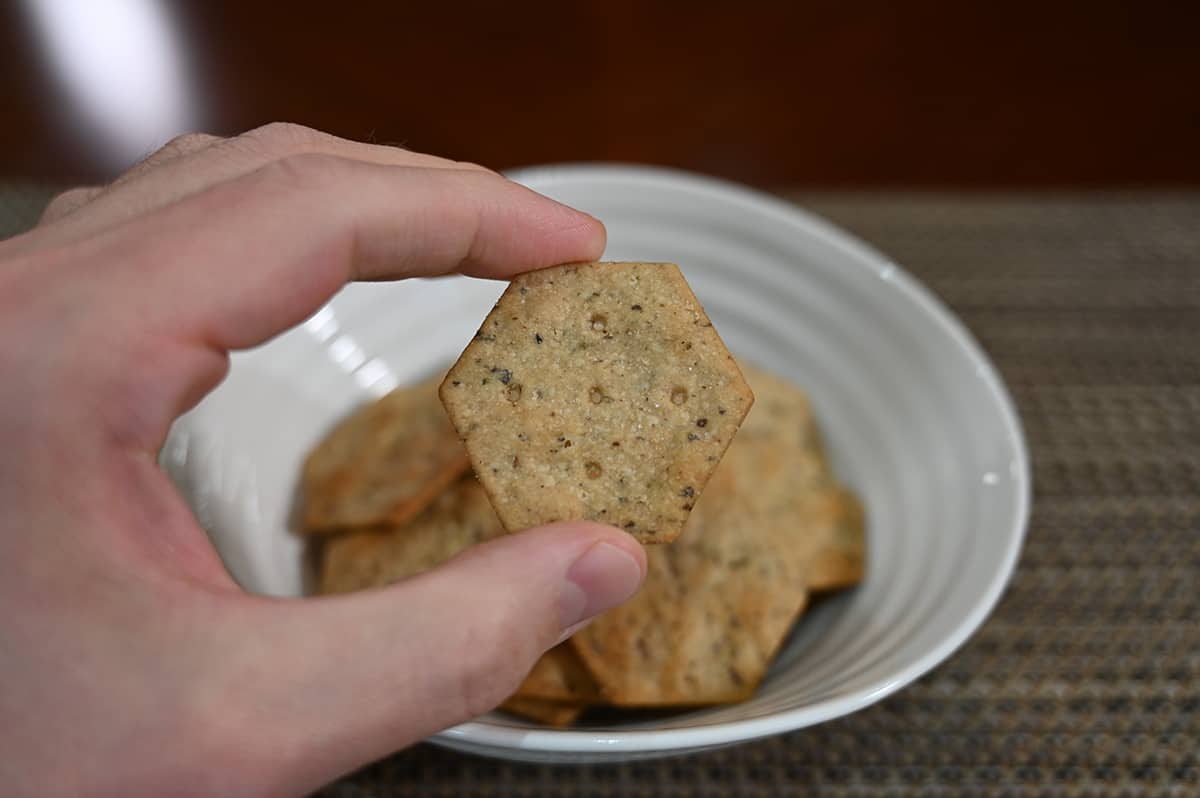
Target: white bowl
915 418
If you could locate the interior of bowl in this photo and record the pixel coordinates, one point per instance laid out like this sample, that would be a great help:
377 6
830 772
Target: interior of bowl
914 417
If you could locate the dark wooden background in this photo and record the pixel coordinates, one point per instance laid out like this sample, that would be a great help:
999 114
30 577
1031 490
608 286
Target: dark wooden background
872 93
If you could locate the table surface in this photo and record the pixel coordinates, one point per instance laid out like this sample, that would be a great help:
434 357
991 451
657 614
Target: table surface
1086 679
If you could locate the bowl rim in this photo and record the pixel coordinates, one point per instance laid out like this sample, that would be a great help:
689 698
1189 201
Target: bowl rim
479 735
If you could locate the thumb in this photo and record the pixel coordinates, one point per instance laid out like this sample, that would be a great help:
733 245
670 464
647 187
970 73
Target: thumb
355 677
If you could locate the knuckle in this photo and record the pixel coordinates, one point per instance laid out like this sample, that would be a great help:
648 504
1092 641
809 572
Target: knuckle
62 204
187 143
306 170
284 138
468 166
178 147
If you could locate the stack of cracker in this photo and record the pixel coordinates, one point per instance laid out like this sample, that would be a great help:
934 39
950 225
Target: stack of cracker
614 436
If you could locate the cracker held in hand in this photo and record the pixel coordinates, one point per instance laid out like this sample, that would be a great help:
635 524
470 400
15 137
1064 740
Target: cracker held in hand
597 391
383 464
717 603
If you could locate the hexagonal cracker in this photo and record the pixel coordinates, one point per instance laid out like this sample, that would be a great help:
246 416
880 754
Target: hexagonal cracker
597 391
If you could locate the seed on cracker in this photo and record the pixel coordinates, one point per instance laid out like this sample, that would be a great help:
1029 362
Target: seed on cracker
383 464
458 519
597 391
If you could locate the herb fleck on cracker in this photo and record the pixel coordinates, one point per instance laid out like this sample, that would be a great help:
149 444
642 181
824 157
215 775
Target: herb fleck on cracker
600 353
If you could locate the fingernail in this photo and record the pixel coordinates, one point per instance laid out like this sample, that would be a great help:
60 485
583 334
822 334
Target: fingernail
603 577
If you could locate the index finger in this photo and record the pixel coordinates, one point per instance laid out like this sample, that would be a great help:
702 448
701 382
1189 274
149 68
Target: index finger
235 264
238 263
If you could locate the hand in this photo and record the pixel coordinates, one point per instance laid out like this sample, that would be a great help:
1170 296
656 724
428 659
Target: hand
131 663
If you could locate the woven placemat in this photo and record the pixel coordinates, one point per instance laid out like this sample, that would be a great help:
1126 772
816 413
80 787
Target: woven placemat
1086 680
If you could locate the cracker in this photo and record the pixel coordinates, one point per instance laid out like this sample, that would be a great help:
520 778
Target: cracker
783 415
829 518
719 601
552 713
597 391
560 675
836 521
458 519
383 464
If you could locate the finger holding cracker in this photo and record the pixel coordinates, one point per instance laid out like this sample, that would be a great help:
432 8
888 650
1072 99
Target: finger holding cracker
558 686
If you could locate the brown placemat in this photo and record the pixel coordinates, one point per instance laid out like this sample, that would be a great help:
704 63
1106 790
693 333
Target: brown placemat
1086 680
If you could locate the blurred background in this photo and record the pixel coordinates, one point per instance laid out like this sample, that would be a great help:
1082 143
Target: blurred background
870 94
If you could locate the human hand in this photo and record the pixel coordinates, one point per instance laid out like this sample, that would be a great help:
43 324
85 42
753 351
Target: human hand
131 662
